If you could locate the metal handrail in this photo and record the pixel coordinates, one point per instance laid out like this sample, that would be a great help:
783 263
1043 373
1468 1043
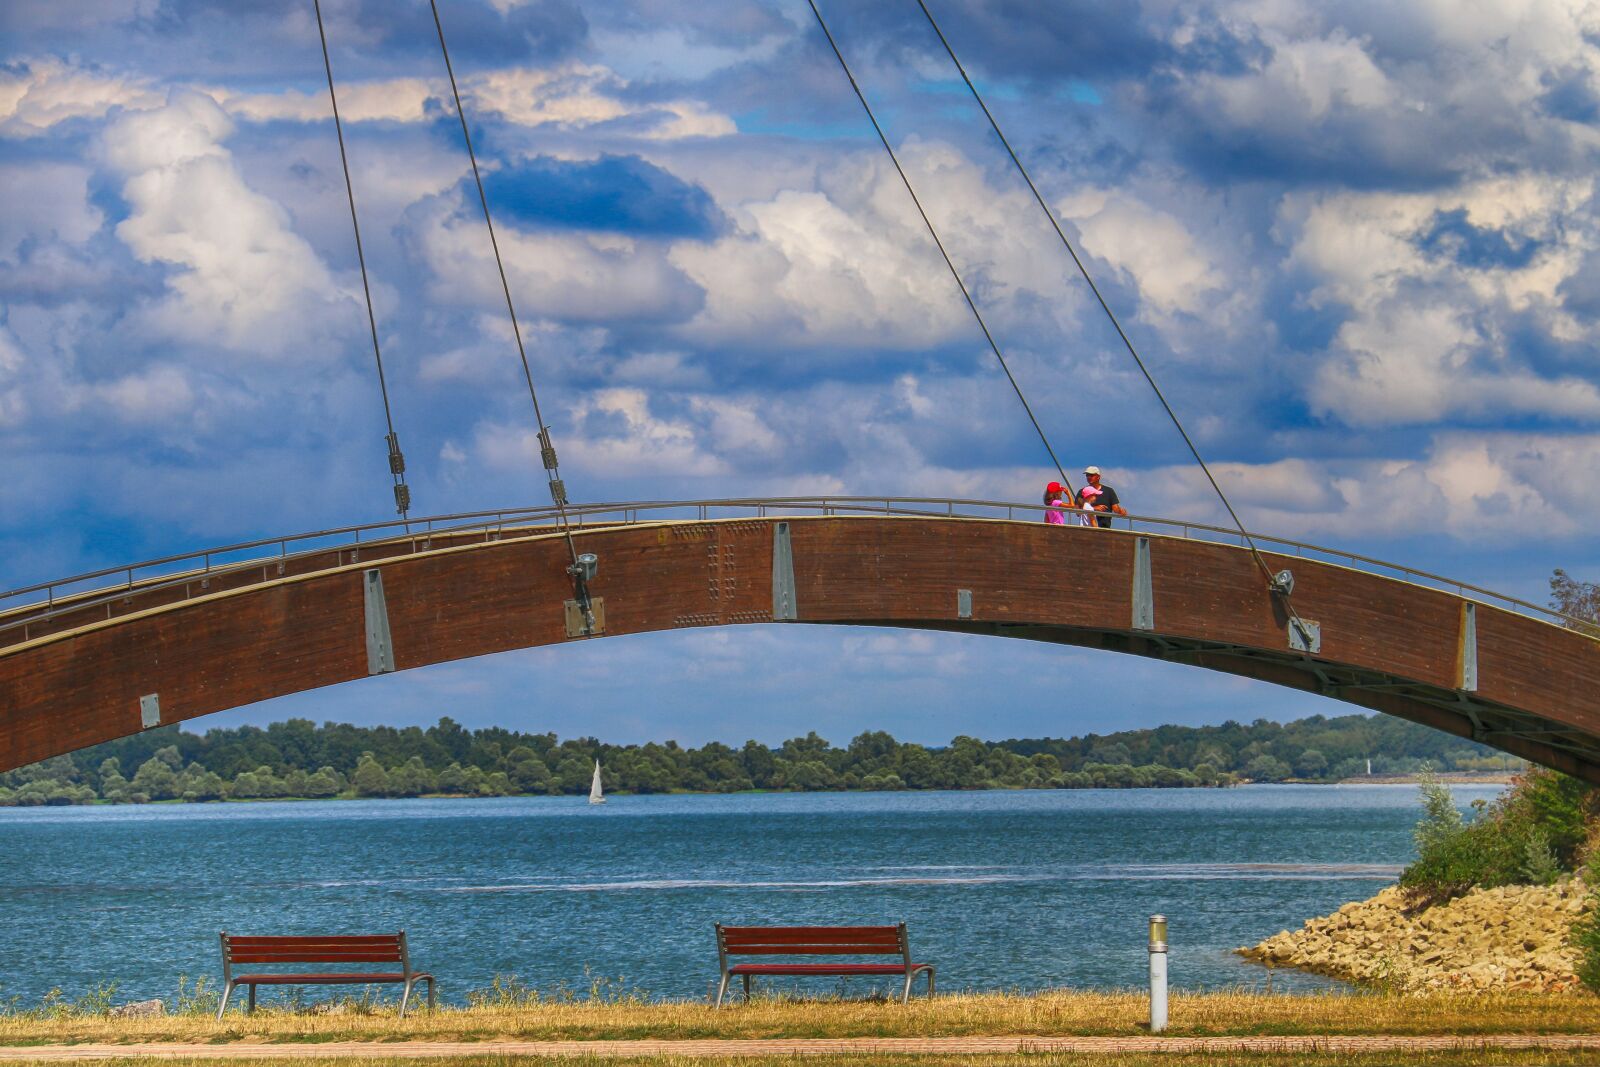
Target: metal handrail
204 563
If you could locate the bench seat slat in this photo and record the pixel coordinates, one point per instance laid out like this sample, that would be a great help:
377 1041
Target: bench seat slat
314 957
321 979
814 950
257 941
791 935
821 968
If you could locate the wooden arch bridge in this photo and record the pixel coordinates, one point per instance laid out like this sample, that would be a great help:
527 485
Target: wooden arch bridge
108 654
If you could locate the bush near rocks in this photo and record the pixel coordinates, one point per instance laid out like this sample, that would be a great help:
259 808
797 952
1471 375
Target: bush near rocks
1530 835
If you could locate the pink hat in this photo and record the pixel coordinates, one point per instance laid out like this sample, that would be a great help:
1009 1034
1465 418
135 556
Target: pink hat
1089 492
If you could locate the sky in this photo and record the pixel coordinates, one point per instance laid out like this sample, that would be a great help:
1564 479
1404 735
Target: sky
1357 244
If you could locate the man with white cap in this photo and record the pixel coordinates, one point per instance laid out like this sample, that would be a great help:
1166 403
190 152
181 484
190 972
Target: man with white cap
1107 500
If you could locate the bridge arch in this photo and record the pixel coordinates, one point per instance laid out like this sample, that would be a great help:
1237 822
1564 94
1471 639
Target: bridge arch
94 667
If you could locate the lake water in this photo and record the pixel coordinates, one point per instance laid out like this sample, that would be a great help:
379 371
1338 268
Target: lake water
1001 889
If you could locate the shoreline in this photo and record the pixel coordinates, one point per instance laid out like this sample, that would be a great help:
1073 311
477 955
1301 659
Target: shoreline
1448 778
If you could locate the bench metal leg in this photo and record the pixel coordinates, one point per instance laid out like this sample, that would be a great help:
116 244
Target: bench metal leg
431 1004
905 997
746 978
405 994
930 983
252 998
722 987
227 991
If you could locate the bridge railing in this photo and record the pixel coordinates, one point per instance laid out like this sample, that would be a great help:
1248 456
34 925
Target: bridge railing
33 604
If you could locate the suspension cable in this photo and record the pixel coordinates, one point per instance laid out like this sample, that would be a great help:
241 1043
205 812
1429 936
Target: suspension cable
1095 289
397 459
954 273
558 489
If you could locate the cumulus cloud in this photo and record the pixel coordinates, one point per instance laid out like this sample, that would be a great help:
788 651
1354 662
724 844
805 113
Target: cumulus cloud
569 95
850 263
152 395
13 401
242 278
580 96
571 277
1435 284
1172 271
37 94
57 195
614 433
383 100
1340 91
1492 489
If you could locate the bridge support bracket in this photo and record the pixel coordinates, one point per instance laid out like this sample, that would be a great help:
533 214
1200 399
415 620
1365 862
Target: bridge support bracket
784 607
963 603
1305 635
150 711
380 644
1469 648
1144 600
578 626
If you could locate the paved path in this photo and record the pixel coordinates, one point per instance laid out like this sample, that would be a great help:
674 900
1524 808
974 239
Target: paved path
862 1046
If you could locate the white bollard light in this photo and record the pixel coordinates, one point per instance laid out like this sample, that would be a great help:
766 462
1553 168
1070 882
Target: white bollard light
1158 973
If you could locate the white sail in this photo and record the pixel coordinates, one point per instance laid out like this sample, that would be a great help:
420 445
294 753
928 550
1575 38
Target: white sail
595 796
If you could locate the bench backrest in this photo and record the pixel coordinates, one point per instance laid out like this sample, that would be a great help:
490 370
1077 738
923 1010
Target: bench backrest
812 941
330 948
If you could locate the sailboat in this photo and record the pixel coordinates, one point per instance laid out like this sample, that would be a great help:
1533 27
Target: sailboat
595 795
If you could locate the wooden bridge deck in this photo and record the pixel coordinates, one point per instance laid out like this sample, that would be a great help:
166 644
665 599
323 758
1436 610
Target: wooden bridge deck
174 650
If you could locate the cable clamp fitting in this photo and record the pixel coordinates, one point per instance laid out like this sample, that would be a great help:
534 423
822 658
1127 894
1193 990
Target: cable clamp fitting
1283 582
582 609
397 459
402 497
547 451
558 492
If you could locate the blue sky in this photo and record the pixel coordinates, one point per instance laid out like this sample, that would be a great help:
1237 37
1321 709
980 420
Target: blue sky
1357 243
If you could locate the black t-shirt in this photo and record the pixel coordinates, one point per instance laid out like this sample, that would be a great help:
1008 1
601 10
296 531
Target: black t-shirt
1107 497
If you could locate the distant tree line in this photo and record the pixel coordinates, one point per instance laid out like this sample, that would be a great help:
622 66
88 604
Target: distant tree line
299 759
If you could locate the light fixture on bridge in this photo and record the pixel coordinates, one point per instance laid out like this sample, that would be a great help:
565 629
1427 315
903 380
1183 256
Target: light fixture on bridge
587 565
1283 582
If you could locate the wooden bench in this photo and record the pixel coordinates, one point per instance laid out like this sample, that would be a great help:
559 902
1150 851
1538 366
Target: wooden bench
816 941
282 951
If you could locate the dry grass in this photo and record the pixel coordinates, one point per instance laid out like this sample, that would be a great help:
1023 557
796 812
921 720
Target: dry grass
1061 1013
1463 1058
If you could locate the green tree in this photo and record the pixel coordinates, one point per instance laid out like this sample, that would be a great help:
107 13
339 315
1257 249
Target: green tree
156 778
370 779
1311 764
1267 769
1580 600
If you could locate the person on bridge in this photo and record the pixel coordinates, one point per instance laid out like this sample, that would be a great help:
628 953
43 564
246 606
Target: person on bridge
1104 499
1055 505
1088 494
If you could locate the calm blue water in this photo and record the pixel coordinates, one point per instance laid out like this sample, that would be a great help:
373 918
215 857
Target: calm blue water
1001 889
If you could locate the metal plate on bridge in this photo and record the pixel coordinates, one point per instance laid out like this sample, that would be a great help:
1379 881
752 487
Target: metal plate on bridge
380 645
150 710
1469 648
1144 600
1305 635
784 608
963 603
576 623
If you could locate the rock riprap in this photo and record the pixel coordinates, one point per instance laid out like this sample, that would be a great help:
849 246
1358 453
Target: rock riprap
1513 937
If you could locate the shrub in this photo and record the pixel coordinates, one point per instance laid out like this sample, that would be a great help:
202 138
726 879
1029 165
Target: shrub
1585 933
1528 836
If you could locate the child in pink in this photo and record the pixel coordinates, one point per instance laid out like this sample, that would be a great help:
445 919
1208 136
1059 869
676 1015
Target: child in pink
1055 508
1088 494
